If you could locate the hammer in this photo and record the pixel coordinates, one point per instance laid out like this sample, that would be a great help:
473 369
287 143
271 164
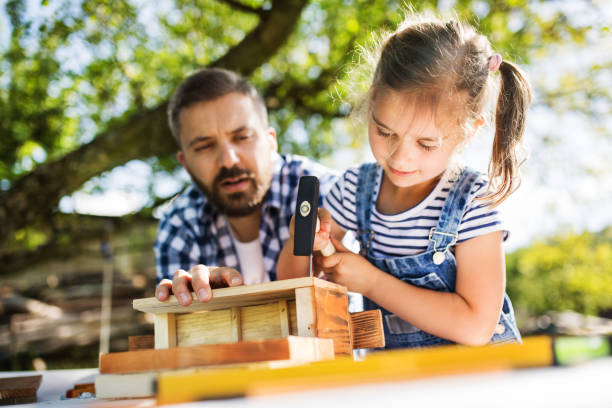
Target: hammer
307 220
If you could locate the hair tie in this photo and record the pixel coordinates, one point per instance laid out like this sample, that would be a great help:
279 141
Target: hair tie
495 61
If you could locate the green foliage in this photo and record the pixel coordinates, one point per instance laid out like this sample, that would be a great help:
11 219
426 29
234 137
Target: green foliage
72 69
570 272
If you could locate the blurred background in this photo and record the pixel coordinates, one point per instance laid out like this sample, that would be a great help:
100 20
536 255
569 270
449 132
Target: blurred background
87 161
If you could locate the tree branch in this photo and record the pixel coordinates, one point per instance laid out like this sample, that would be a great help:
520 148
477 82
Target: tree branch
242 7
35 196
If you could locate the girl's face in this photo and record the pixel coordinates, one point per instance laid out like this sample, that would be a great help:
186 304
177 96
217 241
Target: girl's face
412 140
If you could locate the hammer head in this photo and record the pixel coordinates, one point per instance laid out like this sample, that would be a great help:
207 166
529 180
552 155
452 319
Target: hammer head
306 212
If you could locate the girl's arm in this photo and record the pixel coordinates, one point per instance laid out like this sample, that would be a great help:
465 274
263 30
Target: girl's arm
467 316
291 266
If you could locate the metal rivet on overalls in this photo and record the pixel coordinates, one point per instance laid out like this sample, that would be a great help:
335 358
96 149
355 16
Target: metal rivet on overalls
438 257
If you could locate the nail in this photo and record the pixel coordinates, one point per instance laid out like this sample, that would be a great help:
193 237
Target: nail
203 294
185 298
235 281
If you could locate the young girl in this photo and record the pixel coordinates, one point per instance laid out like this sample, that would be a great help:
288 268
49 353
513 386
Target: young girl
431 241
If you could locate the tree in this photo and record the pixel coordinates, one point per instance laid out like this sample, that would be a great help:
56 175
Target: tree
84 85
566 272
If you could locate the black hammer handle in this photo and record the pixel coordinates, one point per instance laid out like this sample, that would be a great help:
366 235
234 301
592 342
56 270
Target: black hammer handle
306 211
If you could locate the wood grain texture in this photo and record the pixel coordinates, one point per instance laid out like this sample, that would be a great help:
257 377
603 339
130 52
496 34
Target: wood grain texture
332 318
235 296
261 322
283 314
236 324
145 341
165 330
291 348
22 386
367 329
206 327
305 312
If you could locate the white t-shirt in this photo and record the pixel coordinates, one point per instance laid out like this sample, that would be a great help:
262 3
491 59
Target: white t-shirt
250 258
407 233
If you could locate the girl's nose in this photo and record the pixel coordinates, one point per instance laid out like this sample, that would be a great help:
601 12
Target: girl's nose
401 150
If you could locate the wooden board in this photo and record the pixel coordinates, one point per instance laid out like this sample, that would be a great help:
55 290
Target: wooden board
333 321
145 341
384 366
244 295
19 388
290 348
367 329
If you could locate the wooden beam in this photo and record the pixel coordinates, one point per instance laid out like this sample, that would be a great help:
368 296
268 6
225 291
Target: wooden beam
235 296
305 311
165 330
291 348
283 312
333 321
145 341
367 329
236 324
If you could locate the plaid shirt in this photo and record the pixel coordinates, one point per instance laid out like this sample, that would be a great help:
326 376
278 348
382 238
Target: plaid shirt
192 232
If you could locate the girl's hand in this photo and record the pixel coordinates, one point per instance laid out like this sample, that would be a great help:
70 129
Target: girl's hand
348 269
323 233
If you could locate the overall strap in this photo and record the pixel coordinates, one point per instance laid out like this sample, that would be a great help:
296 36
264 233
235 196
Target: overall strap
365 198
445 233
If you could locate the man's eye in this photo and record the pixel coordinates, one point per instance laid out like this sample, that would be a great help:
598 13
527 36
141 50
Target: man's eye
382 133
244 136
204 147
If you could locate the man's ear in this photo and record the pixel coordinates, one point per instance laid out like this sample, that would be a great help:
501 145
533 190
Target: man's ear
271 132
180 156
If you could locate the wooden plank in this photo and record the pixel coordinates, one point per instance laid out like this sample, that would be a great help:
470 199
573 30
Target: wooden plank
305 312
206 327
333 321
367 329
236 324
283 314
244 295
290 348
384 366
19 390
261 322
137 385
145 341
165 330
293 327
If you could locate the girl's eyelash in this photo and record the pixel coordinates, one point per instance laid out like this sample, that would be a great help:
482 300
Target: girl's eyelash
428 148
382 132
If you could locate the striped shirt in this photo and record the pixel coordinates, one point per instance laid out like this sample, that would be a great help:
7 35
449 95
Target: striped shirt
407 233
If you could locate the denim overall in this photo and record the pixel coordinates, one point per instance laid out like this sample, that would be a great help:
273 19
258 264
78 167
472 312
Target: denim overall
435 268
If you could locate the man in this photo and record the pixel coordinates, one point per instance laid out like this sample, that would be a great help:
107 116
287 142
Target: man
230 225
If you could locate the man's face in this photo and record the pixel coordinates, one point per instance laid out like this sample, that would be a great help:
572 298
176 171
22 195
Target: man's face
228 152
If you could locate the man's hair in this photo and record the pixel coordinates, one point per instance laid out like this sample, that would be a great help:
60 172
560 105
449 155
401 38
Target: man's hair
207 85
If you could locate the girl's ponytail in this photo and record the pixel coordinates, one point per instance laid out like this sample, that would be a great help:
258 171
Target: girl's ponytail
510 116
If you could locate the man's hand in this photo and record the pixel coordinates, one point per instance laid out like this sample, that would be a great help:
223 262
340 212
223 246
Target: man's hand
201 278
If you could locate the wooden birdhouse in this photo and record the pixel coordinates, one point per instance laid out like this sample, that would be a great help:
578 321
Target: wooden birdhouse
303 319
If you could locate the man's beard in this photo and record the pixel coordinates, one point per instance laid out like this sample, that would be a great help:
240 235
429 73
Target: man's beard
236 204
